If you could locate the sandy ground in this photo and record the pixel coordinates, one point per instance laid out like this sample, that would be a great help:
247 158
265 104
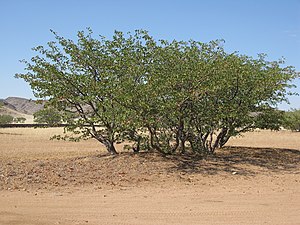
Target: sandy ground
73 185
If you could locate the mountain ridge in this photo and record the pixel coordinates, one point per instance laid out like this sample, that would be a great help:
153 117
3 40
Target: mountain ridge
20 105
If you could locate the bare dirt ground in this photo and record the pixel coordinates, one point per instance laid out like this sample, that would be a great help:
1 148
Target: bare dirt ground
254 180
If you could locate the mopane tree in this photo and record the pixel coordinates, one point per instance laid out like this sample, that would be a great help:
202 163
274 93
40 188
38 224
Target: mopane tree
243 95
201 96
163 96
205 95
86 82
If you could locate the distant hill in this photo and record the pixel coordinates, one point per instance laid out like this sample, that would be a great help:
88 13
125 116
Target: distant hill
21 105
4 110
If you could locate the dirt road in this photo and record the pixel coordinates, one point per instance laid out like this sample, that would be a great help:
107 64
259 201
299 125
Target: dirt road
258 200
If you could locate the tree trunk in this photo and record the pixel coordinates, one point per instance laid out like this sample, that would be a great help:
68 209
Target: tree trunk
138 144
108 144
152 137
181 136
110 147
219 140
182 146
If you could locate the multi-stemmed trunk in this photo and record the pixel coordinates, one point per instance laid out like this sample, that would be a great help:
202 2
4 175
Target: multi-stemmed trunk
110 147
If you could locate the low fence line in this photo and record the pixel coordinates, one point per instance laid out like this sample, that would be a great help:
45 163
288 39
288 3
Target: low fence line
36 125
16 125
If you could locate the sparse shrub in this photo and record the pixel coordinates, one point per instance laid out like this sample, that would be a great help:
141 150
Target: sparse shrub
292 120
19 120
6 119
49 116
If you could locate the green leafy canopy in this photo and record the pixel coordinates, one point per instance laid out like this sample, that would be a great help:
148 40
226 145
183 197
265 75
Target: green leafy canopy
161 95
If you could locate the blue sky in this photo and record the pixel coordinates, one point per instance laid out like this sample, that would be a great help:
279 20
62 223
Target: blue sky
248 26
